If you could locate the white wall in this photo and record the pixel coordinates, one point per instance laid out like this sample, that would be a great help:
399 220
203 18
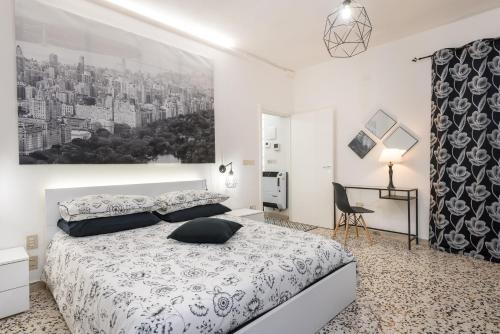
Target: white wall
385 78
273 160
240 85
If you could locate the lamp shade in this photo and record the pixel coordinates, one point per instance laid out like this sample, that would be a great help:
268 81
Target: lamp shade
393 155
347 30
230 180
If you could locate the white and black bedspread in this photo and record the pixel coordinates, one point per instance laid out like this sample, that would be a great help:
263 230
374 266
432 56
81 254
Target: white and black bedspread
139 281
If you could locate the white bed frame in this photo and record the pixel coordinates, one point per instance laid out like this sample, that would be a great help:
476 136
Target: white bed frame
305 313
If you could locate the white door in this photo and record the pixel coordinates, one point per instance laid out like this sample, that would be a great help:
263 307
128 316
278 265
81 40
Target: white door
311 168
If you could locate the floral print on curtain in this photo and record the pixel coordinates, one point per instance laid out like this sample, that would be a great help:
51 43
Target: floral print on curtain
465 150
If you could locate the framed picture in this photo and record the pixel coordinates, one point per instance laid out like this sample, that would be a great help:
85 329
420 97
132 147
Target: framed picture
380 124
401 139
89 93
362 144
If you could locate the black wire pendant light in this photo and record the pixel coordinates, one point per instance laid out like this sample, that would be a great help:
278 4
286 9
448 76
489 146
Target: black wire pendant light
347 30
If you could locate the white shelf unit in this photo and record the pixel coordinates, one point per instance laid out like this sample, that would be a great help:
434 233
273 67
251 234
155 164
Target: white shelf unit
14 281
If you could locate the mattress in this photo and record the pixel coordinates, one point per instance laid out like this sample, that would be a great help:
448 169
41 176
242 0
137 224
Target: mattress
138 281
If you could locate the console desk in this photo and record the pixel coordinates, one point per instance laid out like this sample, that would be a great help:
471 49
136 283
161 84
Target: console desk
397 194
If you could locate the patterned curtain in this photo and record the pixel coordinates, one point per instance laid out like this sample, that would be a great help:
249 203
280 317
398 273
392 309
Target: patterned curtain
465 150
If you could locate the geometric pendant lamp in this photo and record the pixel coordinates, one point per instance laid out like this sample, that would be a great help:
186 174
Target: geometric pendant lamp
347 30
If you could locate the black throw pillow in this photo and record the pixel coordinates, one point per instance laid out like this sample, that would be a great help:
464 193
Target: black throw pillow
96 226
205 231
207 210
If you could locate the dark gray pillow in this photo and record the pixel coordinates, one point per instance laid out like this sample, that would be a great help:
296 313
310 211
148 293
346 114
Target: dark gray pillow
96 226
205 231
199 211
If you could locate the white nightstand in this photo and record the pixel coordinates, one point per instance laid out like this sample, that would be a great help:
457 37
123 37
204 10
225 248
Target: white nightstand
14 281
249 214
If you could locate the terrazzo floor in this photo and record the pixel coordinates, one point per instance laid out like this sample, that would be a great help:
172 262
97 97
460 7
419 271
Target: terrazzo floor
399 291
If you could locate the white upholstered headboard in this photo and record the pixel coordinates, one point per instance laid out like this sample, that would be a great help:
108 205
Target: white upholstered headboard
55 195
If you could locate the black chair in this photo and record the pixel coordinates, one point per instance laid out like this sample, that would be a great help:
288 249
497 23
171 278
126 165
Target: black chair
351 215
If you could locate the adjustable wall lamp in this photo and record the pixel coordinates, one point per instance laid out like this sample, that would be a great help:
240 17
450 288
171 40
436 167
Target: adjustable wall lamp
230 179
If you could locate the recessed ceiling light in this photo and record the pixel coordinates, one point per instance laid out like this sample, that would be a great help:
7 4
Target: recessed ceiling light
176 22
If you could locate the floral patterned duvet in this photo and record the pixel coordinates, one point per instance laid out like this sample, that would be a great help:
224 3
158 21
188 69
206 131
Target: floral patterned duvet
139 281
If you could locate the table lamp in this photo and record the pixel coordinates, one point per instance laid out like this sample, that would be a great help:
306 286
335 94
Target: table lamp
391 156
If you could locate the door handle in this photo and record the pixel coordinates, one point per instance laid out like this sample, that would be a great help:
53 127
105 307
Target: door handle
326 167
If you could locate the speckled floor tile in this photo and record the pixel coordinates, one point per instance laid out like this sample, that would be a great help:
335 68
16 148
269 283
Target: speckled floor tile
399 291
418 291
43 316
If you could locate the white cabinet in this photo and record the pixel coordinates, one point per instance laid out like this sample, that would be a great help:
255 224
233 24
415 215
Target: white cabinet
249 214
14 281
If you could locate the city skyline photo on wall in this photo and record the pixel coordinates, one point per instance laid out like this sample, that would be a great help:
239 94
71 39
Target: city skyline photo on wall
89 93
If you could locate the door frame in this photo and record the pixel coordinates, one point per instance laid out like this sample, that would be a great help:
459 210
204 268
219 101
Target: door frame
262 109
269 111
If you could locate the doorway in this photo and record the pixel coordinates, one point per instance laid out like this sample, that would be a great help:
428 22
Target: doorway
302 146
275 164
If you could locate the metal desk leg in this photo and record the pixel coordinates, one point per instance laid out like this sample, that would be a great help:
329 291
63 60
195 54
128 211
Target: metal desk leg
408 201
416 215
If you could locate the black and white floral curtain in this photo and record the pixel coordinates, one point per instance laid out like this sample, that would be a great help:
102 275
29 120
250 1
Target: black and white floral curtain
465 150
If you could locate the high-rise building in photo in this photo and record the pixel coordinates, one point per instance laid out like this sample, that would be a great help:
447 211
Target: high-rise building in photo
30 138
20 63
80 69
53 60
38 109
21 91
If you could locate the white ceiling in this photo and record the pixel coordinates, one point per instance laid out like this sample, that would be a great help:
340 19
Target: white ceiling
289 32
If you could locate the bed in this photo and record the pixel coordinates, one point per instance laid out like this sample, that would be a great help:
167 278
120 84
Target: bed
266 279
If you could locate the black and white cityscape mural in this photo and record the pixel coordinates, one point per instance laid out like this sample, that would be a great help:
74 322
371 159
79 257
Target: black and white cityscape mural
89 93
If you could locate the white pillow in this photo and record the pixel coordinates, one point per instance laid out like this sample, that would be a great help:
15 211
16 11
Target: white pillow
104 205
185 199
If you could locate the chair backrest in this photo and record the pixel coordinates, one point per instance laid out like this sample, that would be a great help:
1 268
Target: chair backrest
341 198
